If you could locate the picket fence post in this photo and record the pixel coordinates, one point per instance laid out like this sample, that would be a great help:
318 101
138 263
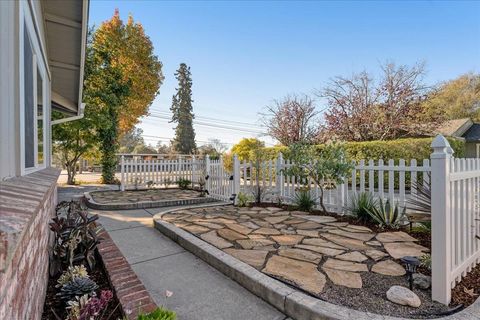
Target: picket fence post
207 172
279 179
236 178
193 169
122 169
441 228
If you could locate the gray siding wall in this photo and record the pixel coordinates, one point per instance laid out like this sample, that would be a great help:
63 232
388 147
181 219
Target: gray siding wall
471 149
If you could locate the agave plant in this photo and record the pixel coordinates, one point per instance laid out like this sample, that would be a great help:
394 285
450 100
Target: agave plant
422 201
77 287
360 204
386 215
303 200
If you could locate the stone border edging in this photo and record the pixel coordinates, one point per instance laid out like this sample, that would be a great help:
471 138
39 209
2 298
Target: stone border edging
130 291
292 302
143 204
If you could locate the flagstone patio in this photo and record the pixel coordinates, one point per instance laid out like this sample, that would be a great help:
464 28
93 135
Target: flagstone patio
303 250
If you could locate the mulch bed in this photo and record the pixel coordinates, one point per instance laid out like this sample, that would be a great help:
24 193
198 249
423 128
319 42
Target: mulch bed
100 277
468 290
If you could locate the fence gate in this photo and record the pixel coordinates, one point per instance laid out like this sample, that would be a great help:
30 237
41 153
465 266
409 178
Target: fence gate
220 184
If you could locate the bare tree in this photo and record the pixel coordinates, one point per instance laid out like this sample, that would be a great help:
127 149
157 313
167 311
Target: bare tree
359 109
292 120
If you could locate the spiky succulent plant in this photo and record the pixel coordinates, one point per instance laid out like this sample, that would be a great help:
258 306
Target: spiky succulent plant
77 287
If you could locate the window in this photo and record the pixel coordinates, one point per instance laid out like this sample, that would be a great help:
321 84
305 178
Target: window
33 98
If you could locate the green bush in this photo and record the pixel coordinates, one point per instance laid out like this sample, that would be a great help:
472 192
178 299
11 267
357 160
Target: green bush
158 314
304 200
361 204
184 183
244 199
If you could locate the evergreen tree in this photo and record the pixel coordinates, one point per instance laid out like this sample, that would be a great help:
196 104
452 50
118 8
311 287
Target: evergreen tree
182 112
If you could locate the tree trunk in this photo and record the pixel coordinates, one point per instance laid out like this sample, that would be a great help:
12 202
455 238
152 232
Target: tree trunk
71 173
321 199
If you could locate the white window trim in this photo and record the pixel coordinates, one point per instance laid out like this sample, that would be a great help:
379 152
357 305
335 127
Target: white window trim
26 20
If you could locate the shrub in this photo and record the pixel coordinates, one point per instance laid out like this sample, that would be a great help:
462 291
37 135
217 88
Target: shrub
184 183
243 199
386 215
158 314
426 261
304 200
361 204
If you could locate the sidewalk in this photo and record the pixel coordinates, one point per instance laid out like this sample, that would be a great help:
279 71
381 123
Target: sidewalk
200 292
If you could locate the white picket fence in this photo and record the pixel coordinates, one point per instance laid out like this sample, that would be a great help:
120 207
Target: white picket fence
136 173
455 192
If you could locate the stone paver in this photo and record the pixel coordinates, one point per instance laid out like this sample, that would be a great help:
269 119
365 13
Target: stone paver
112 197
303 274
302 250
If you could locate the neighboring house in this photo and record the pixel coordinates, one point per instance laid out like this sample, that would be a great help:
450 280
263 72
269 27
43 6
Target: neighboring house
42 52
464 129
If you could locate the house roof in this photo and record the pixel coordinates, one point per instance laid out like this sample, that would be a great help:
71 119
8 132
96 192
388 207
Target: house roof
473 133
455 128
66 24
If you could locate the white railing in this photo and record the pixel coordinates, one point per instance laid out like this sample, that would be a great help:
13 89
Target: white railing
137 173
455 218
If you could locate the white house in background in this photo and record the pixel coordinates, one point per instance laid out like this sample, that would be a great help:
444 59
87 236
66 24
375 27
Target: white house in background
466 130
42 54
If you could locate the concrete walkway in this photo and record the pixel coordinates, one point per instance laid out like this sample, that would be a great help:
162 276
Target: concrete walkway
199 291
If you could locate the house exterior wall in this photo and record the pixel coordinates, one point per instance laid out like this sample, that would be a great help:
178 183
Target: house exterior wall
471 149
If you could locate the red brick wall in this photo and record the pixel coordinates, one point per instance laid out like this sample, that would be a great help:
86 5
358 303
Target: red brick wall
26 207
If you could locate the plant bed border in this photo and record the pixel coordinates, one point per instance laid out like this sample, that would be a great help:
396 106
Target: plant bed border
130 291
292 302
91 203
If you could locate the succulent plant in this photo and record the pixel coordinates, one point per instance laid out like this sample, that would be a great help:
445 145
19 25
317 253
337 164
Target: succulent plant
78 286
71 273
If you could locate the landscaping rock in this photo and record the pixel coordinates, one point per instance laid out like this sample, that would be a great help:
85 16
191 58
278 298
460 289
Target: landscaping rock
389 268
354 256
300 254
287 240
303 274
255 258
422 281
345 265
344 278
401 249
230 234
403 296
212 238
398 236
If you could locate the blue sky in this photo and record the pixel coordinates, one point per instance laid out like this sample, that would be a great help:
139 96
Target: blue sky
245 54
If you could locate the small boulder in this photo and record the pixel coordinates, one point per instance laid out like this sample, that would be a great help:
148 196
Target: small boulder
422 281
403 296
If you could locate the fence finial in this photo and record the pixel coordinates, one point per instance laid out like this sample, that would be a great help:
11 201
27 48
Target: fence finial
440 145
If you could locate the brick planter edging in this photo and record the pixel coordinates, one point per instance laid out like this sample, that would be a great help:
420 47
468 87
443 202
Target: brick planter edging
292 302
91 203
130 291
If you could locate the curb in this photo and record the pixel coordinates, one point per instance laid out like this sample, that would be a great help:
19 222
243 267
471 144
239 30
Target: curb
144 204
292 302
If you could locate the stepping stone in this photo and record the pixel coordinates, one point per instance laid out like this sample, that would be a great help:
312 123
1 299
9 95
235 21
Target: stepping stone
239 228
354 228
209 225
250 225
212 238
193 228
308 233
309 225
337 224
255 236
344 278
319 219
398 236
376 254
322 243
286 231
322 250
401 249
250 243
231 235
255 258
345 265
265 248
274 209
300 254
354 256
303 274
181 224
267 231
358 235
287 240
293 221
279 226
389 268
374 243
274 220
263 224
346 242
